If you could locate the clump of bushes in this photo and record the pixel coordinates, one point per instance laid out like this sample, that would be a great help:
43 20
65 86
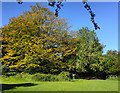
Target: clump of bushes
44 77
63 76
9 74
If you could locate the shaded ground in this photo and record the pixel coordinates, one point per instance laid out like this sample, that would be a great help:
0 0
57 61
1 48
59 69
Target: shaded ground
13 86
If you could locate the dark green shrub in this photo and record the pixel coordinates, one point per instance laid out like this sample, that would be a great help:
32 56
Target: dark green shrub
50 77
32 70
43 77
10 74
63 78
65 74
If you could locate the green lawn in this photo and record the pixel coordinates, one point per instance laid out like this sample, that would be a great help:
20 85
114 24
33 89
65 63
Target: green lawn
77 85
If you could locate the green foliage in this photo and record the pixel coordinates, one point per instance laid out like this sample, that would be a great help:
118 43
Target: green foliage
36 77
50 77
10 73
44 77
89 51
111 63
5 71
38 42
17 77
65 74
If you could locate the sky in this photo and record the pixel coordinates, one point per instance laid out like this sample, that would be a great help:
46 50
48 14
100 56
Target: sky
106 17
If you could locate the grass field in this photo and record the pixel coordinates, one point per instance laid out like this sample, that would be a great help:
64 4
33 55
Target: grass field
77 85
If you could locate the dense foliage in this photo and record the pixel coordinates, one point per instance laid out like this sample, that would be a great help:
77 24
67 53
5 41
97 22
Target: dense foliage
111 63
50 77
38 42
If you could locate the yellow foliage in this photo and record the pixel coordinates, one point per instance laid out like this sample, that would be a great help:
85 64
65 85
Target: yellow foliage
32 36
13 66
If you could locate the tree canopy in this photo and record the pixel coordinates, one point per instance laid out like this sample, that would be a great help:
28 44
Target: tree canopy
36 39
39 42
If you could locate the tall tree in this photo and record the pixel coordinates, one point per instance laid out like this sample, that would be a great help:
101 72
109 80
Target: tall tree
34 42
89 51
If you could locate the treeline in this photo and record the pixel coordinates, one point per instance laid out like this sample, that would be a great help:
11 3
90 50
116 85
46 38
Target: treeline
39 42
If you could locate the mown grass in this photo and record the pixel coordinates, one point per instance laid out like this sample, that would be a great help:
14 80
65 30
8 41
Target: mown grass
27 84
96 85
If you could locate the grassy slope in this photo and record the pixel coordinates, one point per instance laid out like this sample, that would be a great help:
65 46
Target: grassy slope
77 85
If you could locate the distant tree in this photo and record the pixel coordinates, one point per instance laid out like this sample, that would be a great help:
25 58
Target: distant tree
111 63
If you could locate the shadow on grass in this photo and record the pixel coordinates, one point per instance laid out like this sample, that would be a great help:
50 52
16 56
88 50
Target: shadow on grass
13 86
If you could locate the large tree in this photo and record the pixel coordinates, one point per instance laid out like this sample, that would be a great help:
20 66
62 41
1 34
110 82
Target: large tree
35 41
89 51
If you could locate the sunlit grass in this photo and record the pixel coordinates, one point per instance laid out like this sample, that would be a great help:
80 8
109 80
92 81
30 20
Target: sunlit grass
75 85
